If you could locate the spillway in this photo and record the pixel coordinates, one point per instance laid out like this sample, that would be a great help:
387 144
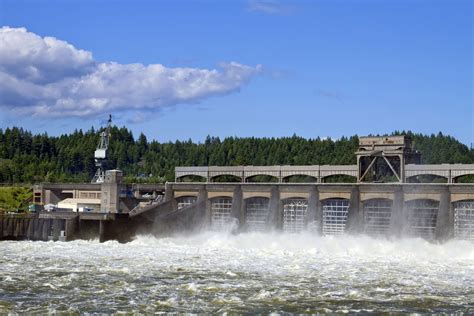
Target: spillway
257 214
464 220
221 209
377 216
335 212
294 215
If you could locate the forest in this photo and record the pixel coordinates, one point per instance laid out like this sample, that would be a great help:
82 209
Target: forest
27 158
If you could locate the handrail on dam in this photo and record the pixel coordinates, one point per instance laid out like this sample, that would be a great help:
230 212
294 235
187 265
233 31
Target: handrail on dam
318 172
280 172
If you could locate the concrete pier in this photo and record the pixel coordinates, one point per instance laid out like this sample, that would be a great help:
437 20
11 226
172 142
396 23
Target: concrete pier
23 227
355 218
384 208
445 218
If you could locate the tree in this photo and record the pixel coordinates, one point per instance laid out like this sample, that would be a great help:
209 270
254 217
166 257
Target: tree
25 157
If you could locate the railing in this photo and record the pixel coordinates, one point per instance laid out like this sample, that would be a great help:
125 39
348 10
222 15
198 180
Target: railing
319 172
278 172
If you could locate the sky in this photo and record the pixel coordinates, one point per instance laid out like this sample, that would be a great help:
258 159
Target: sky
188 69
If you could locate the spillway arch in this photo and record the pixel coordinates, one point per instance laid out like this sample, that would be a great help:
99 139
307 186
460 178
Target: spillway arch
335 211
221 212
257 211
227 177
459 178
422 217
306 177
464 219
377 216
185 201
334 178
427 178
294 213
191 177
268 178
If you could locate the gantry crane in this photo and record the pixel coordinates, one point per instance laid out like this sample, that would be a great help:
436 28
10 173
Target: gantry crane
100 154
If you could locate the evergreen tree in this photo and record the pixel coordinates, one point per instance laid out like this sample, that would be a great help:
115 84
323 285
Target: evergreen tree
28 158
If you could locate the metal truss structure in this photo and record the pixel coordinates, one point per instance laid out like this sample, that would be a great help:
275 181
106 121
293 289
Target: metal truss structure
294 215
100 154
335 213
380 159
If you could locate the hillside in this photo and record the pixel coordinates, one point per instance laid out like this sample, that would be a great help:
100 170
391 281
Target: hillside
29 158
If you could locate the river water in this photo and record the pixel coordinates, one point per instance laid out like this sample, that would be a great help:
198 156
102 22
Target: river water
246 273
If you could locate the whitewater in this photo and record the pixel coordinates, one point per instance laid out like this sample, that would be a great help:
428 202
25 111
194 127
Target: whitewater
246 273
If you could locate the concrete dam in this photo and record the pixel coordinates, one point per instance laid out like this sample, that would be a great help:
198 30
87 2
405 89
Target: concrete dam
383 197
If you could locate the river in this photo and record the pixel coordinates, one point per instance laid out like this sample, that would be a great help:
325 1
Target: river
246 273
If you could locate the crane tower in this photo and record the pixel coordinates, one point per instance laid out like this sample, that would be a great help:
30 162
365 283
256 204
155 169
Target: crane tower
100 154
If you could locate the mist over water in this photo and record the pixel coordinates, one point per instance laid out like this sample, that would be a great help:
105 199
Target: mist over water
254 272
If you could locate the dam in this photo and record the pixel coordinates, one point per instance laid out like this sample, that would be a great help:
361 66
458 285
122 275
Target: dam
384 195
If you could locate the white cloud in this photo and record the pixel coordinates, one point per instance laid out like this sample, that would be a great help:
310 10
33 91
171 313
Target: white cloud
47 76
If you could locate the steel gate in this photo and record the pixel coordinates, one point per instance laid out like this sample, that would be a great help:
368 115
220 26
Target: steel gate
257 210
464 220
377 215
185 201
221 208
422 216
294 214
335 216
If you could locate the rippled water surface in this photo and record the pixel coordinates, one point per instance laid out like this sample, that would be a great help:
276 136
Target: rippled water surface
250 273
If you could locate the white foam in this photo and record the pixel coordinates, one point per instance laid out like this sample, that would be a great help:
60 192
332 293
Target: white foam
239 269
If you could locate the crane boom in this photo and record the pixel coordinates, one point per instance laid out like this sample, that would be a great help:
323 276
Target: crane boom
100 154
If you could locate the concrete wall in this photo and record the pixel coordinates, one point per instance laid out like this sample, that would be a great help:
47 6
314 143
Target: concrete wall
30 227
399 194
164 217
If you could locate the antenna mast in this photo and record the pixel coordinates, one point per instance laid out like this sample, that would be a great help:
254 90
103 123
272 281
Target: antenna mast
100 154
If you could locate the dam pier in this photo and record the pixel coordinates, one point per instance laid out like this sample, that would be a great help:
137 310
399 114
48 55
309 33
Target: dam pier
385 194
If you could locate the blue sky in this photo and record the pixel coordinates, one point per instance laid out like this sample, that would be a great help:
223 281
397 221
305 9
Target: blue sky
314 68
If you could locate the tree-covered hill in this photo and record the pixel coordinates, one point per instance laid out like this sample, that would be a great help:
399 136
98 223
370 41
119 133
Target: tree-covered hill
28 158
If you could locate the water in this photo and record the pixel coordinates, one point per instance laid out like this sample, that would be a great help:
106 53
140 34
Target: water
246 273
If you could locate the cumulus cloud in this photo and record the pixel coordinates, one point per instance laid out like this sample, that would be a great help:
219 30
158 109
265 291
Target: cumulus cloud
48 76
